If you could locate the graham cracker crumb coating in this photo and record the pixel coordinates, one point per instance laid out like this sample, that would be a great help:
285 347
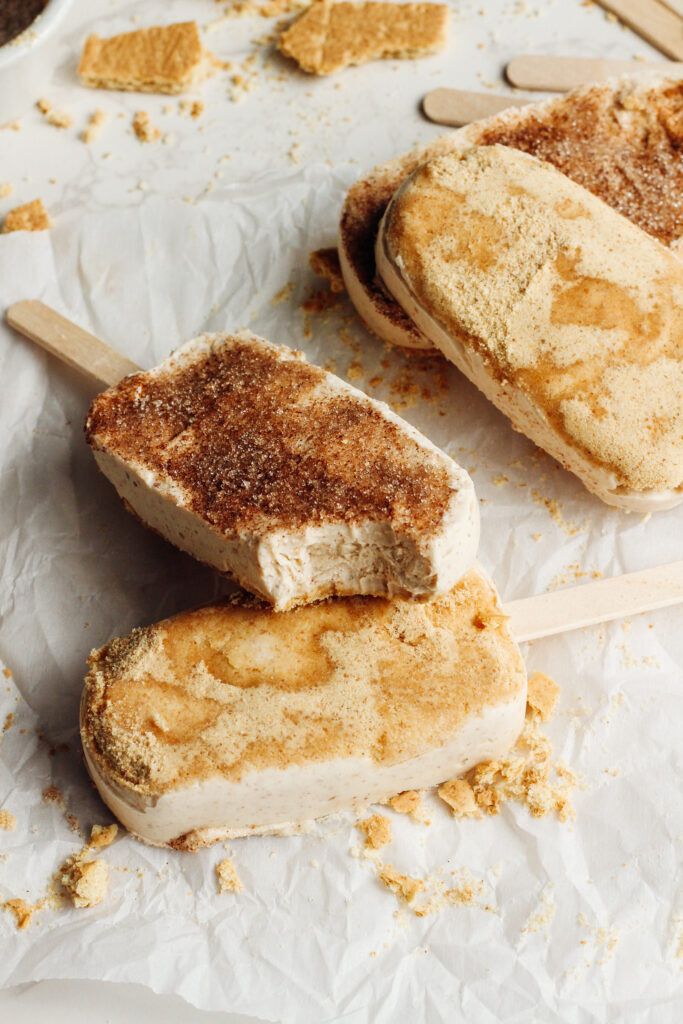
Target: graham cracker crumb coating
225 690
564 300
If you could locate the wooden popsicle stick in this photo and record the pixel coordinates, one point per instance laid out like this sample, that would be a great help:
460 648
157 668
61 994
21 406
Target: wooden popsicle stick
560 74
70 343
657 24
456 107
602 601
674 5
530 618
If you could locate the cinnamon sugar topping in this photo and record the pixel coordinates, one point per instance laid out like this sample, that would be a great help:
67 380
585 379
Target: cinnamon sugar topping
251 434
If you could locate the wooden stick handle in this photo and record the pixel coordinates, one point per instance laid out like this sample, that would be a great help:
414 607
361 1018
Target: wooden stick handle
602 601
560 74
654 21
70 343
456 107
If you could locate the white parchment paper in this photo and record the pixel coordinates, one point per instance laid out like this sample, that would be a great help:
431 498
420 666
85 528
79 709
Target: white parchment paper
585 920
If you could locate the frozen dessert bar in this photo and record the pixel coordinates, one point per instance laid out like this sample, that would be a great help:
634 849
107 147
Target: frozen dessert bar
621 140
282 476
232 720
565 314
165 59
330 36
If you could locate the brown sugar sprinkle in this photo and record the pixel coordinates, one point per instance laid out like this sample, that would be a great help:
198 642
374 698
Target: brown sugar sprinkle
248 434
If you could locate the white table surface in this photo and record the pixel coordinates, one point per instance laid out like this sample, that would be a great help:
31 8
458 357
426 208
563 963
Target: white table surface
320 120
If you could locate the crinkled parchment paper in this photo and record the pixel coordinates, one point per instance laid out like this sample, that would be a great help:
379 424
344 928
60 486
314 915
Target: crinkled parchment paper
578 915
577 922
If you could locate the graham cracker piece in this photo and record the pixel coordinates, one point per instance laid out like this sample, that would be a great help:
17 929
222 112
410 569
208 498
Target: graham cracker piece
143 127
405 887
377 831
329 36
164 59
459 796
226 876
407 802
30 217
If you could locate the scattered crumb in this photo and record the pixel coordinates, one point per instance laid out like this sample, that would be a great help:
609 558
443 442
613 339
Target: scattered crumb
501 480
405 887
543 915
284 294
377 831
53 795
23 911
6 189
11 126
102 836
94 126
325 263
542 695
605 939
8 821
555 512
86 882
57 118
193 108
9 721
227 877
319 301
408 802
7 673
143 127
30 217
463 894
527 775
459 796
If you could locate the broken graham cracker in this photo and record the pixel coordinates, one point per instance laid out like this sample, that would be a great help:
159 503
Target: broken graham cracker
459 796
542 695
86 882
164 59
405 887
57 118
30 217
331 36
226 876
408 802
377 831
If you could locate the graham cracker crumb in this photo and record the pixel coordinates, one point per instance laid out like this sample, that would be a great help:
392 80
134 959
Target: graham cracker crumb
8 821
53 795
143 127
405 887
542 695
331 36
30 217
325 263
543 915
86 882
284 294
459 796
11 126
227 878
57 118
408 802
9 721
377 831
193 108
94 126
528 776
6 189
23 911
